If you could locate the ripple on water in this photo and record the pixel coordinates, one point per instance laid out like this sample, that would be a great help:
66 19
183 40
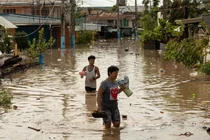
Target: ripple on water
52 97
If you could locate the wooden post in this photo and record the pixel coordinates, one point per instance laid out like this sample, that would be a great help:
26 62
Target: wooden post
16 49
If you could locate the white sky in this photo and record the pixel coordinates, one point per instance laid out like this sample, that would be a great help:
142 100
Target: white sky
104 3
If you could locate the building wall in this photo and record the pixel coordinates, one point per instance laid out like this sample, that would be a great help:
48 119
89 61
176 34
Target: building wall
33 10
11 31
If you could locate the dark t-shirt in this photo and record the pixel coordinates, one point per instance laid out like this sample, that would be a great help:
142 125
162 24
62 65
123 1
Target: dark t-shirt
109 96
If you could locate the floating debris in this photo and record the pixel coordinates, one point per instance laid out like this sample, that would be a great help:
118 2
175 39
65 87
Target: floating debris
34 128
124 117
187 134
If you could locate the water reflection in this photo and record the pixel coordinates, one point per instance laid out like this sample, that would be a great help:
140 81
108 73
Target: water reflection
111 134
90 102
52 97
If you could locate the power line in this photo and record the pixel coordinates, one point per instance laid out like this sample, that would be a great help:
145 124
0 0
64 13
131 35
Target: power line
40 25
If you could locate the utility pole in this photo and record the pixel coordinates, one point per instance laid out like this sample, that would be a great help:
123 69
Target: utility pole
70 7
39 12
72 24
62 25
164 9
136 23
118 21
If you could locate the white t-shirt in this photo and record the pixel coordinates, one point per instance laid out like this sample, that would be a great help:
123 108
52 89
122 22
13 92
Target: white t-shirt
89 76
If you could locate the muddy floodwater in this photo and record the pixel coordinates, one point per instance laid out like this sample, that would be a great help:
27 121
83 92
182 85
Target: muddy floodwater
169 101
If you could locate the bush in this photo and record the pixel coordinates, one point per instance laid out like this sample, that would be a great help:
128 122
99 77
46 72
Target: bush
5 98
85 37
40 45
21 39
185 51
6 44
205 68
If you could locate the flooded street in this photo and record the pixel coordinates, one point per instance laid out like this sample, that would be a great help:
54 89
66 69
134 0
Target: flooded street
169 100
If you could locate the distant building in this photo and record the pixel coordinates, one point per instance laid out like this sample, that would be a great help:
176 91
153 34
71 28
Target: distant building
130 9
6 26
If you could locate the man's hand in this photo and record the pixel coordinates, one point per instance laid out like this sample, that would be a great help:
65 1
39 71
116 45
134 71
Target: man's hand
99 109
122 87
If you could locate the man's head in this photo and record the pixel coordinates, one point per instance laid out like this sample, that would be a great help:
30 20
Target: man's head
113 72
91 57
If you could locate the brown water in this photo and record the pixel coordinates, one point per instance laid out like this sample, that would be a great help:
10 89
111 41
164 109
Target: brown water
52 98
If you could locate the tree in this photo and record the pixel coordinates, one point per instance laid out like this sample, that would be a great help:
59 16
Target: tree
188 51
6 43
114 8
182 9
21 39
39 46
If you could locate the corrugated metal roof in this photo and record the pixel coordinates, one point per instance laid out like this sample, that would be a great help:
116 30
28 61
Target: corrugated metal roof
109 16
30 20
6 24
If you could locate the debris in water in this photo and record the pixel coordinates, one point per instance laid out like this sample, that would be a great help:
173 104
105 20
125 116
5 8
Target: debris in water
187 134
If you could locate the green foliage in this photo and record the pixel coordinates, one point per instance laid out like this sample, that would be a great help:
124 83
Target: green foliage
114 8
155 3
39 46
163 32
6 43
5 98
183 9
148 21
21 39
205 68
186 51
78 13
85 37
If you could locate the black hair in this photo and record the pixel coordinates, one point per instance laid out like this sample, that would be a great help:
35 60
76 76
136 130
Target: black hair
91 57
112 69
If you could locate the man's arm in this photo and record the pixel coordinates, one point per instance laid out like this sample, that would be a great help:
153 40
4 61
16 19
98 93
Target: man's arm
84 69
98 75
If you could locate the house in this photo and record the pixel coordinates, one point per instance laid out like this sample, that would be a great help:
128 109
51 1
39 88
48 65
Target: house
6 26
109 20
32 24
106 21
130 9
31 15
32 7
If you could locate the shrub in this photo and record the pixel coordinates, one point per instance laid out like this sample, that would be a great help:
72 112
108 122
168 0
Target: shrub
39 46
6 44
205 68
5 98
21 39
85 37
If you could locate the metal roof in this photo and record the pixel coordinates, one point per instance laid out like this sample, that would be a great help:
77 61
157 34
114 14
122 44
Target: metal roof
19 20
6 24
189 20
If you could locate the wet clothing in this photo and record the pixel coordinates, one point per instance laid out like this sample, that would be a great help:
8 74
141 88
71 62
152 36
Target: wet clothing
109 101
90 90
112 115
90 85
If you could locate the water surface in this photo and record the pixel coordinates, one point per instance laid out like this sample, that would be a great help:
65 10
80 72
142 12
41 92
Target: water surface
168 101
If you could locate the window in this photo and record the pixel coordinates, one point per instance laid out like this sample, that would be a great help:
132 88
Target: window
9 11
